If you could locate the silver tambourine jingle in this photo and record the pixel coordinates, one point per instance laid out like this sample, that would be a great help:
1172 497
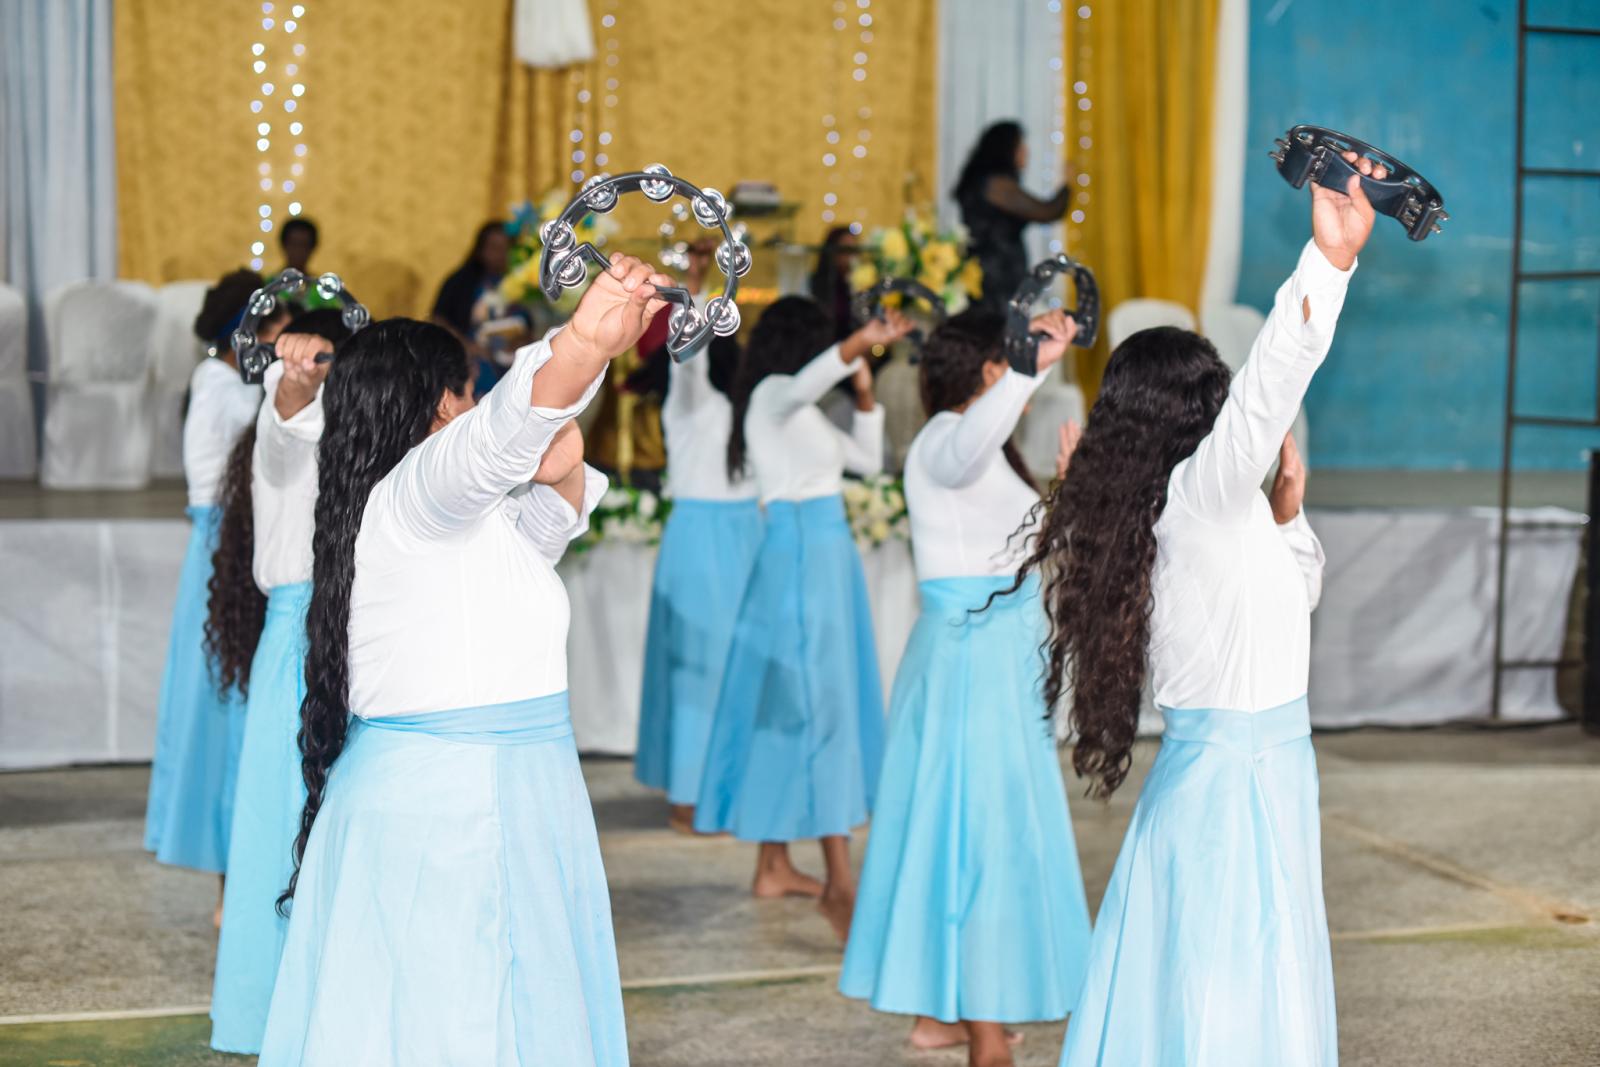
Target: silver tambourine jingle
723 315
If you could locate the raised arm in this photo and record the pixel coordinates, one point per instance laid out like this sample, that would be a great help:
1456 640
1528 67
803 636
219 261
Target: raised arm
956 451
290 422
551 519
460 472
1288 511
1009 196
1225 472
789 393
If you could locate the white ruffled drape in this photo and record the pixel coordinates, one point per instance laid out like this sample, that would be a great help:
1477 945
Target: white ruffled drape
553 33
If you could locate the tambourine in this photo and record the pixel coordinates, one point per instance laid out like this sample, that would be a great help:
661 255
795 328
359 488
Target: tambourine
868 304
1312 153
1021 345
255 357
563 262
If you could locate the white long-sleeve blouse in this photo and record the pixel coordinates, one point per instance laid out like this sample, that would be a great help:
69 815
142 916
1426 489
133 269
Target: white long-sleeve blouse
794 451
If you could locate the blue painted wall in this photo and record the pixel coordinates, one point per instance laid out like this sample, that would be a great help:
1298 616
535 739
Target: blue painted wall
1417 375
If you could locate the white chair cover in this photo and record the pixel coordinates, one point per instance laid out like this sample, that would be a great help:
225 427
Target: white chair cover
97 427
1143 313
174 351
18 451
1057 401
1232 328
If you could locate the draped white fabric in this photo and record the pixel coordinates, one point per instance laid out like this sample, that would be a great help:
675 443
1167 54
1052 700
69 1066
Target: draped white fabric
1402 636
97 427
1229 154
57 168
174 353
553 33
18 435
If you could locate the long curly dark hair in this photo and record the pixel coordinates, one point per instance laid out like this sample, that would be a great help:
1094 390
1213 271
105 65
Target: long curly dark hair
995 153
236 608
378 403
1096 547
790 333
951 369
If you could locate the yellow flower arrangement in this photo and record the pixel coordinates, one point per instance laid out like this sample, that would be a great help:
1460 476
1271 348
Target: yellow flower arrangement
918 249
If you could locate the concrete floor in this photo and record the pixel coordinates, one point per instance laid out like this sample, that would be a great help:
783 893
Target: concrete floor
1462 880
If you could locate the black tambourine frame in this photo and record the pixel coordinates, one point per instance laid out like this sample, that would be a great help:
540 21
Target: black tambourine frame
1313 153
868 303
254 356
1021 344
564 263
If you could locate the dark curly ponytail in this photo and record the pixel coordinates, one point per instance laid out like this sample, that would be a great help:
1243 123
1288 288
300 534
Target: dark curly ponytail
378 403
1096 548
950 372
236 608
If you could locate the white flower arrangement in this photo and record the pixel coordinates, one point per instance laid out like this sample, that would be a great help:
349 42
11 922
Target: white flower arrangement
876 507
625 515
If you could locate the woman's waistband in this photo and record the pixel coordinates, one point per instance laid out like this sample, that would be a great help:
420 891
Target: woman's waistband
518 722
720 505
1246 731
291 599
816 509
946 595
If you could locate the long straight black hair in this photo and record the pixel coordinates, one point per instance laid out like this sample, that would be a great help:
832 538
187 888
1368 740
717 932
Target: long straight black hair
951 369
378 403
790 333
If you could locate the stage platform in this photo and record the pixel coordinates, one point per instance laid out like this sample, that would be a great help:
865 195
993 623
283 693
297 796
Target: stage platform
1402 636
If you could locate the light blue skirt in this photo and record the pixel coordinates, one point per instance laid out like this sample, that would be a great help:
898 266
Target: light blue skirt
1211 946
266 818
452 907
971 903
707 551
798 735
198 729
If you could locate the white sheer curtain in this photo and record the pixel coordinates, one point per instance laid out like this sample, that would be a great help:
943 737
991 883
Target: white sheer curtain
1229 154
994 64
57 166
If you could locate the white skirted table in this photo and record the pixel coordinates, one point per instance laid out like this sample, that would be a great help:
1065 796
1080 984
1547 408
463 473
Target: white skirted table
1402 636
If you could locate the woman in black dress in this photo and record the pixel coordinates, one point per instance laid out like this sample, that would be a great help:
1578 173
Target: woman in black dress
995 209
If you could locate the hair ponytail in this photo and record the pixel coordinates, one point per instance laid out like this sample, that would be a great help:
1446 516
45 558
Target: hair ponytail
236 609
378 403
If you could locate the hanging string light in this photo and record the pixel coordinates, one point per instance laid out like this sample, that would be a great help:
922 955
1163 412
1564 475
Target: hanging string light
858 74
593 156
263 115
1083 71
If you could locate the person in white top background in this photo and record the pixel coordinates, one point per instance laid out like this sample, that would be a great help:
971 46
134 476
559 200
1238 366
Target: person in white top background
449 903
707 550
972 912
256 631
798 732
1159 551
200 723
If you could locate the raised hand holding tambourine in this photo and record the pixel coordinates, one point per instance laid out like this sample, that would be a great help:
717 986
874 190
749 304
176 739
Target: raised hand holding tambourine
1021 344
564 263
254 356
1317 154
868 304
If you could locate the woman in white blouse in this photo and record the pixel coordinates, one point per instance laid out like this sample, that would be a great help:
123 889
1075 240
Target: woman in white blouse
1159 548
258 628
707 550
449 904
798 732
199 723
972 912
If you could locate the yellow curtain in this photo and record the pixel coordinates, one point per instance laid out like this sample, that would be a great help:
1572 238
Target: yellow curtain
1140 77
418 123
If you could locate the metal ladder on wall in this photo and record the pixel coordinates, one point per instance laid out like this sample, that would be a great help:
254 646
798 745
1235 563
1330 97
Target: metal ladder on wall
1515 418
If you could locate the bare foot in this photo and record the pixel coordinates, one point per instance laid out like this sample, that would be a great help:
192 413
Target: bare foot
932 1034
682 819
778 882
838 906
991 1045
216 916
929 1033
